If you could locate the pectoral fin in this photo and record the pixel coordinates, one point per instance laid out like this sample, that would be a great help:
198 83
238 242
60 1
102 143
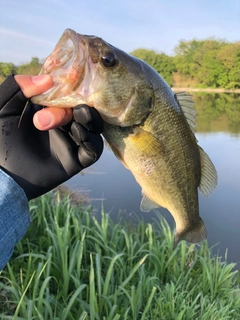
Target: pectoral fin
147 204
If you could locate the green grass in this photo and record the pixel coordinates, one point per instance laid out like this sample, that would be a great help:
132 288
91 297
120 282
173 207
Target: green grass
69 266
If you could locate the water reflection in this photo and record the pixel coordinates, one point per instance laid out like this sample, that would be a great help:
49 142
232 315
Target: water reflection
218 132
217 112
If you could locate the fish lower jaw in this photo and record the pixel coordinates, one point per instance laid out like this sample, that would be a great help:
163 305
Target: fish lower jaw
59 102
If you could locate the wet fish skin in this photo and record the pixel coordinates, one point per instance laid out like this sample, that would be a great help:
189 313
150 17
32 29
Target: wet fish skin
149 128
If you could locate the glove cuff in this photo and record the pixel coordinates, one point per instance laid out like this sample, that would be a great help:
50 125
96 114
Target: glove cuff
8 89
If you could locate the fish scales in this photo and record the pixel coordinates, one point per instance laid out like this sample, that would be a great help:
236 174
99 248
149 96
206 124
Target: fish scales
171 178
148 127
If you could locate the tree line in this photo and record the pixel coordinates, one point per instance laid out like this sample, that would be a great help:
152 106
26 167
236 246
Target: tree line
32 68
197 63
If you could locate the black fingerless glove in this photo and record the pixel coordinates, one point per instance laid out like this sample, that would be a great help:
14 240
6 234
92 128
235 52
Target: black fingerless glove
41 160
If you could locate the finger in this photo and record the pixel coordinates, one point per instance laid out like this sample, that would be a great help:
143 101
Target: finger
90 144
33 85
88 117
50 118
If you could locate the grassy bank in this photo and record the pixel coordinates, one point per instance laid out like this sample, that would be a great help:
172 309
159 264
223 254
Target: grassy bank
71 267
208 90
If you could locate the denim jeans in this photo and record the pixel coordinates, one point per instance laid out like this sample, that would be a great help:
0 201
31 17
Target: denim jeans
14 216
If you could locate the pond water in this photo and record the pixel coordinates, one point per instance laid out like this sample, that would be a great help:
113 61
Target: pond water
109 184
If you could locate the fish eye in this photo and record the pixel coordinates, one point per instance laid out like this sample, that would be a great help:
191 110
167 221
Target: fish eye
109 60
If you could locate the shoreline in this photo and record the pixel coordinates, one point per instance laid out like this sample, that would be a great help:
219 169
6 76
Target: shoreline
210 90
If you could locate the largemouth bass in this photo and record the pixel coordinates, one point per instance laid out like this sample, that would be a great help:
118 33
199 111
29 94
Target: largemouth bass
149 128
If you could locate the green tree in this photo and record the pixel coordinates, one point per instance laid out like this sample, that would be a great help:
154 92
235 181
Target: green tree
187 58
212 62
6 69
212 71
229 55
31 68
162 63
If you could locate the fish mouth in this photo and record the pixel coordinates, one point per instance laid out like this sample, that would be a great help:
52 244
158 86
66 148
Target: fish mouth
66 64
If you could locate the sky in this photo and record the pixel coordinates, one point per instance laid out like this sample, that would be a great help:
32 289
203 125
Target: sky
31 28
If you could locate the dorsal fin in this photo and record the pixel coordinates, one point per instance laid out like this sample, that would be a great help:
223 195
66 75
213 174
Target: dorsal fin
187 106
147 204
208 174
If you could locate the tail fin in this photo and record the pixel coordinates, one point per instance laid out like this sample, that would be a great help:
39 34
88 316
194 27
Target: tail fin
193 234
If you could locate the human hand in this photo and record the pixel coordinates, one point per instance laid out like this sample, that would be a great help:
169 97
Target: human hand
40 160
45 118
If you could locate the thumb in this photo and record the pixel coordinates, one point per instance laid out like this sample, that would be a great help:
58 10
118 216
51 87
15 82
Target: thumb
33 85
